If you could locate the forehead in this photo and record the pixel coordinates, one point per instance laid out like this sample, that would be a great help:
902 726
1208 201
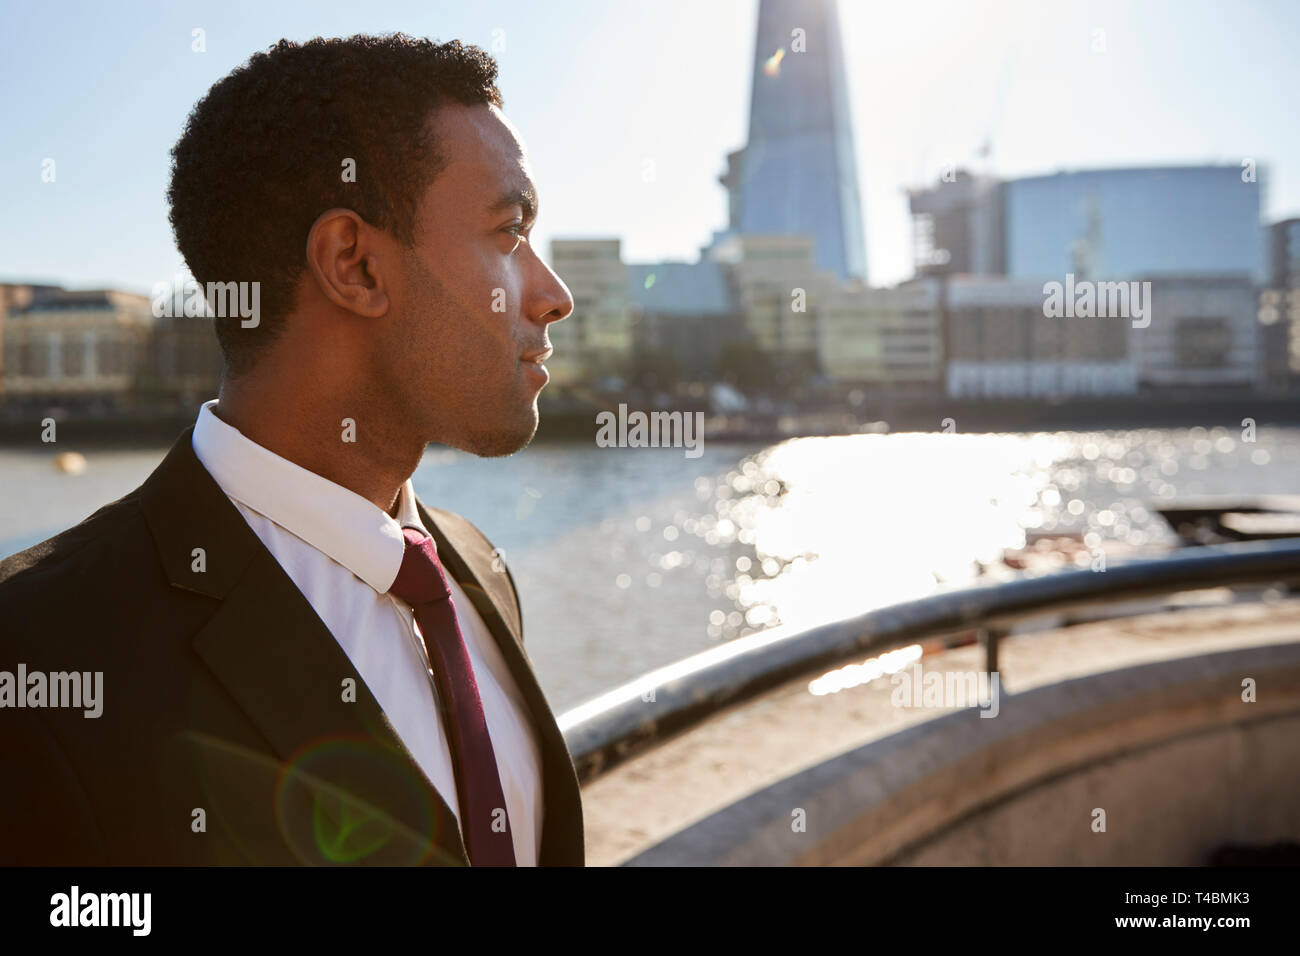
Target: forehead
485 154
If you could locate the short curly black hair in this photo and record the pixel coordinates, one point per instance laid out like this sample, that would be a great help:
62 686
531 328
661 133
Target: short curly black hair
262 156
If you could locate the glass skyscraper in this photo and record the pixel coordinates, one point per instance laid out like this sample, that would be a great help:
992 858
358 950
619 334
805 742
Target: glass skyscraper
797 173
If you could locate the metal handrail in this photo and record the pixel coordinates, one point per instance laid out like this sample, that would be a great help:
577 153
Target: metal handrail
609 729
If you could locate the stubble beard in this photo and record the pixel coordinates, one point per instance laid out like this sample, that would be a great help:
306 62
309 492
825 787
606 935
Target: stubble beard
487 428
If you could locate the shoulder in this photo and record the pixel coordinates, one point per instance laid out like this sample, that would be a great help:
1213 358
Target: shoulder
100 542
102 562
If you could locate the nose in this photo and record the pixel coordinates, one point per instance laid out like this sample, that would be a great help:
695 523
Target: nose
551 300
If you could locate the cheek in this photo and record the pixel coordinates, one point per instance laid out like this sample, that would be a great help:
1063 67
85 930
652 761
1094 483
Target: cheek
495 318
481 349
484 357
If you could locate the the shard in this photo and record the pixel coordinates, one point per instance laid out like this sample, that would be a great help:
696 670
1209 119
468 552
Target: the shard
798 173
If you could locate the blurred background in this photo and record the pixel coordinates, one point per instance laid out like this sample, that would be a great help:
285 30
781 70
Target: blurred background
828 229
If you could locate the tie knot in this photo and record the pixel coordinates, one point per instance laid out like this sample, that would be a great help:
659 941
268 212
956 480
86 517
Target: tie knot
420 578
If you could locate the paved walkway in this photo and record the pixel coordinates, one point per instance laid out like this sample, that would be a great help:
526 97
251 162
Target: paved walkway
790 728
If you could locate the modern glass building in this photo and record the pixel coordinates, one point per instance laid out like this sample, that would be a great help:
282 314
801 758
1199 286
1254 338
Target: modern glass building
1122 223
797 173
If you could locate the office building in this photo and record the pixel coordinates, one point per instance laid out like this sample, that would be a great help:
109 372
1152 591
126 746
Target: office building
1001 344
77 347
596 340
887 338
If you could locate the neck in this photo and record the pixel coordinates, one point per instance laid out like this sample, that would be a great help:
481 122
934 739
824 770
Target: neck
346 440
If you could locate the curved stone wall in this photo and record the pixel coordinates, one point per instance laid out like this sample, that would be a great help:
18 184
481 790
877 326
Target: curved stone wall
1168 757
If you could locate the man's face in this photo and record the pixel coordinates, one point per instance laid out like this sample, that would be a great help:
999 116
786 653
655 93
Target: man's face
474 298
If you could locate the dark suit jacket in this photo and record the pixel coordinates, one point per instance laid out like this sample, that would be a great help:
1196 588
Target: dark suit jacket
225 737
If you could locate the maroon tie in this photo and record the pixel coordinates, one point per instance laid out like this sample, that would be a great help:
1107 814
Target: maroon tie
422 584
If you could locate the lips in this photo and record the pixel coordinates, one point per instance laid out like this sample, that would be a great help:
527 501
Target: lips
537 356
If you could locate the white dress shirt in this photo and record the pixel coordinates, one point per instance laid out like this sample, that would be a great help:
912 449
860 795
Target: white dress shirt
343 552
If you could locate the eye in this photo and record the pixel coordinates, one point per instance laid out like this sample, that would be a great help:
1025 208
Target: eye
514 230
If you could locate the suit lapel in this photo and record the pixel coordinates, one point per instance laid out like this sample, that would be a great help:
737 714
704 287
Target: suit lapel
276 658
468 556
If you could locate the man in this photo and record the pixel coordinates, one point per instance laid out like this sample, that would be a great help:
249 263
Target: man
300 662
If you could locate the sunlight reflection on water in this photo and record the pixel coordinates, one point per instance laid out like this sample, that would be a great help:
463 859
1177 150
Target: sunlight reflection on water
836 526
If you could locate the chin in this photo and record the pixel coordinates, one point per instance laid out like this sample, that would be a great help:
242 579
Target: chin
508 438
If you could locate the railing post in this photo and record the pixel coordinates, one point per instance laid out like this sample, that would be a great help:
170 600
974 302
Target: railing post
989 636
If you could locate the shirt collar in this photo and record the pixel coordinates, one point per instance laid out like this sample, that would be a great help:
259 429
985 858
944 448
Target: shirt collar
336 521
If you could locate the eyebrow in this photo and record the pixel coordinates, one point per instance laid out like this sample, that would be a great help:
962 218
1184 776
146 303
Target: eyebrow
524 196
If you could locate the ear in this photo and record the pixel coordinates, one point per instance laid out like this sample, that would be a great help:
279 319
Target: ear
350 263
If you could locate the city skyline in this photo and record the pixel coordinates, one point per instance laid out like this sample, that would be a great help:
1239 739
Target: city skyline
1159 85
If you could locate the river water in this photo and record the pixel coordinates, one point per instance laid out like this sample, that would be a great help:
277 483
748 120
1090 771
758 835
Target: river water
627 559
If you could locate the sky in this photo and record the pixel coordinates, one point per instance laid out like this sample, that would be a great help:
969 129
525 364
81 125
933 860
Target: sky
598 89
